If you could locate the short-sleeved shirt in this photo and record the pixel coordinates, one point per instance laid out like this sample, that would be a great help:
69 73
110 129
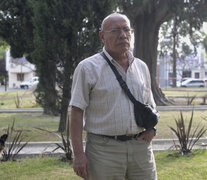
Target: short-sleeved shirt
107 109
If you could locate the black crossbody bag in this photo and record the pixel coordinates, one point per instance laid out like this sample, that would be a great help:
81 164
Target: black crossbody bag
145 116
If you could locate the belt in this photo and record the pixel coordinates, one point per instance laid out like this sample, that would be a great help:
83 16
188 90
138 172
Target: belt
123 137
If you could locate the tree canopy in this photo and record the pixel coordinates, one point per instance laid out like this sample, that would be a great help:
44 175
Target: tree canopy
179 45
55 35
147 17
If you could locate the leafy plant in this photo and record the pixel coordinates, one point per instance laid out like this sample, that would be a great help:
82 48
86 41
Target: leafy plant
205 118
186 136
15 144
204 99
65 145
190 99
18 101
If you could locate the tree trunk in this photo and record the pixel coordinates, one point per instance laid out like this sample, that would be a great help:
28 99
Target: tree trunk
174 74
146 41
66 87
147 17
175 33
64 105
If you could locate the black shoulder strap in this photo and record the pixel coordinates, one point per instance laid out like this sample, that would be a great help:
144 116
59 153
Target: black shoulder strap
121 81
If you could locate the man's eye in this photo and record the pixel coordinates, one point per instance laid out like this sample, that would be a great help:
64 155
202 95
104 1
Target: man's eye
116 30
127 30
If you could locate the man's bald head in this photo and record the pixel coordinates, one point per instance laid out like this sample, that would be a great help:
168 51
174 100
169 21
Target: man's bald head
111 17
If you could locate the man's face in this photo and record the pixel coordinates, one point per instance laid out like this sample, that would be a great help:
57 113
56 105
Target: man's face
116 35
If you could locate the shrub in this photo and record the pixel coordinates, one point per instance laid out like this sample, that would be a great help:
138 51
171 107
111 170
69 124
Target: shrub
187 137
17 101
15 144
190 99
66 145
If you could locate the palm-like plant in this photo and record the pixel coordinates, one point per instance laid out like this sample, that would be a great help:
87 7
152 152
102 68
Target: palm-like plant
186 136
65 145
190 99
15 145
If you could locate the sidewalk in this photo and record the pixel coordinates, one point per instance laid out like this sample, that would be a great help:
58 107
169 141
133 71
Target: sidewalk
45 148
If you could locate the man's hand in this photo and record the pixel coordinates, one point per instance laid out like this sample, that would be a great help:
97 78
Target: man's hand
147 135
81 165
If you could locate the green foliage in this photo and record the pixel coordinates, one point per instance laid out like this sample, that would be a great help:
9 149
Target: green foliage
16 27
3 73
186 136
190 99
3 46
65 146
55 35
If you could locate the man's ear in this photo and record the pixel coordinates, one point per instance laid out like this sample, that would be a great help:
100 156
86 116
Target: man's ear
101 35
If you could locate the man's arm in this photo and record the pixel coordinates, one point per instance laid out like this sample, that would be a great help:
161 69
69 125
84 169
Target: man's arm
80 162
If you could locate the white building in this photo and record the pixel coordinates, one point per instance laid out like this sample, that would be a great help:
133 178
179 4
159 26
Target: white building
19 70
191 67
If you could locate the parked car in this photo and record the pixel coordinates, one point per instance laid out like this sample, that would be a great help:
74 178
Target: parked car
205 81
30 83
193 83
178 83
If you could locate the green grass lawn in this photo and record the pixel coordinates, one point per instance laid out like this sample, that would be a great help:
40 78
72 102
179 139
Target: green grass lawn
177 167
185 91
177 94
174 167
167 119
28 122
26 97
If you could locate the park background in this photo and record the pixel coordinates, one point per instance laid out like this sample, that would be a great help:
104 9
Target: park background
55 36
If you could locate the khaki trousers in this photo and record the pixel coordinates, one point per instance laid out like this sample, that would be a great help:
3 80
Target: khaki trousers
117 160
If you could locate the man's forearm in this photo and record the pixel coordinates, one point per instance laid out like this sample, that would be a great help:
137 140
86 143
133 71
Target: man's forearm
76 128
80 162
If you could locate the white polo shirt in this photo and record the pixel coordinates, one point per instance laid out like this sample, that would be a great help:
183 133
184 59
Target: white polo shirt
95 89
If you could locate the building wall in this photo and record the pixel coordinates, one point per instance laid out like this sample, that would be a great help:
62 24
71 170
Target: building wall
19 70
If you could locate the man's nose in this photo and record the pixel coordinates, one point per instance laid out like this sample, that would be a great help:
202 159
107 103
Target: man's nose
122 33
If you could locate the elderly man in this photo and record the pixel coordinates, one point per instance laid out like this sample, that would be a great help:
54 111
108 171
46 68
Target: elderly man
116 148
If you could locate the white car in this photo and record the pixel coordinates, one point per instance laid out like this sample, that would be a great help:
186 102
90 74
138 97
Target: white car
193 83
30 83
205 81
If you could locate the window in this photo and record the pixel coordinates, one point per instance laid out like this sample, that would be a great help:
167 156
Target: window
20 77
186 74
197 75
